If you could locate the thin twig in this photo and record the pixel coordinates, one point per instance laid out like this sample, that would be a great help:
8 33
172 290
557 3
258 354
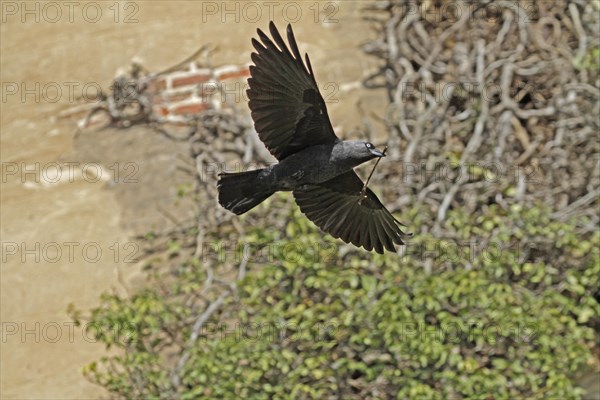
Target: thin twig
200 321
363 192
205 48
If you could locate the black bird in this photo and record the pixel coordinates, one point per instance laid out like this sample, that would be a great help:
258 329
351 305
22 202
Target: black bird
291 119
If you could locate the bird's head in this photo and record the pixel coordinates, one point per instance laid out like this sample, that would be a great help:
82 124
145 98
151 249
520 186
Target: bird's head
357 152
373 151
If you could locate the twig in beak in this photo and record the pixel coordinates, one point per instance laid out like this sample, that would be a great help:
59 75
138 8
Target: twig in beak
363 192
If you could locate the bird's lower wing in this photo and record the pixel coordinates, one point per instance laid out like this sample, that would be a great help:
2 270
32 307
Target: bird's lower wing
334 207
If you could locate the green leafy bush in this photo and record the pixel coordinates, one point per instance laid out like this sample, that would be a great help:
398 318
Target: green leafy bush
510 322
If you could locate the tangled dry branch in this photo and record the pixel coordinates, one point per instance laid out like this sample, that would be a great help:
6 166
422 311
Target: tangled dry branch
510 89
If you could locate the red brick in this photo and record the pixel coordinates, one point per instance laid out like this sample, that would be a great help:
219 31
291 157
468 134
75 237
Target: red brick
193 108
242 73
191 80
162 111
173 97
157 85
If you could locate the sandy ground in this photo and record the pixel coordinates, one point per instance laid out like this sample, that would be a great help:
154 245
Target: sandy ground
68 240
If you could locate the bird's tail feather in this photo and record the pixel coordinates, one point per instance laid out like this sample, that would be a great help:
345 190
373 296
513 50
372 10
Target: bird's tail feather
239 193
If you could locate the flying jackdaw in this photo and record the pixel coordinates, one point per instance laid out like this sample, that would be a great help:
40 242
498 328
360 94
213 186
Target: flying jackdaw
291 119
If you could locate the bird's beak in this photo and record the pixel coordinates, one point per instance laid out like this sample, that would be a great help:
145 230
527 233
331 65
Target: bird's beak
377 153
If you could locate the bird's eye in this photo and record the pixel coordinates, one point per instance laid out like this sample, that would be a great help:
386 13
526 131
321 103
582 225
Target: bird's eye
369 145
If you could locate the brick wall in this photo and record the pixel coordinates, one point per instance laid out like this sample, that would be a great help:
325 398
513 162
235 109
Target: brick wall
178 95
192 90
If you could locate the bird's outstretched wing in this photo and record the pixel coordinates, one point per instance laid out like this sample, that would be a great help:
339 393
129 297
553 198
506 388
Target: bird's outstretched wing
288 111
334 207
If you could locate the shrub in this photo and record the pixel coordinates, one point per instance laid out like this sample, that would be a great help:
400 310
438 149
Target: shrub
310 324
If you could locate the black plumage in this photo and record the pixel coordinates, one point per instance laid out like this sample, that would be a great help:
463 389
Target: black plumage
291 119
